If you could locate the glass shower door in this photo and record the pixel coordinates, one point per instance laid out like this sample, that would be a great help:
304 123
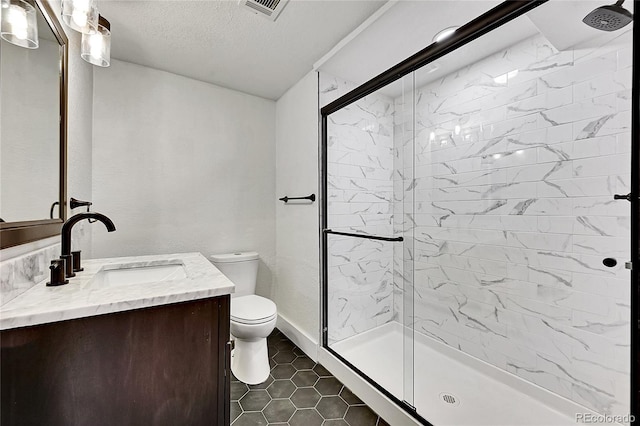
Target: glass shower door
404 223
367 274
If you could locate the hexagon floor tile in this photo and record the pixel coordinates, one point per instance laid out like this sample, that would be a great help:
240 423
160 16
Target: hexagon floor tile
297 392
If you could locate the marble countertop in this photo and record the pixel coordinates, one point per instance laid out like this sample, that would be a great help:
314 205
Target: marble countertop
83 298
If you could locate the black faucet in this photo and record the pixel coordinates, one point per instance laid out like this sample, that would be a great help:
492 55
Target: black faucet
70 267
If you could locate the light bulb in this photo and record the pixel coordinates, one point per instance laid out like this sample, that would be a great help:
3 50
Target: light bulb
83 6
19 24
95 46
80 15
17 16
79 18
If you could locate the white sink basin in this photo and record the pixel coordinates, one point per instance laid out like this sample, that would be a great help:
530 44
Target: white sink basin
128 274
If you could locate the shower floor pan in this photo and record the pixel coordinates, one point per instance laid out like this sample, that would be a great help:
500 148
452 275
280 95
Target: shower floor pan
452 388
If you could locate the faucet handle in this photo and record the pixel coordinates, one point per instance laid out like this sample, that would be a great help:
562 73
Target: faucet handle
57 273
75 258
74 202
68 265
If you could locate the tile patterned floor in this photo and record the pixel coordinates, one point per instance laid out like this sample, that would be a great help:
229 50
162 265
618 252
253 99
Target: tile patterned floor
298 392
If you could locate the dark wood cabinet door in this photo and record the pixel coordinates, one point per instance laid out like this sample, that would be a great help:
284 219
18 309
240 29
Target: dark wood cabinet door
166 365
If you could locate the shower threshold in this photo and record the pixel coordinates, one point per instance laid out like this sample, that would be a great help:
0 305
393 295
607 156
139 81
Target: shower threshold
453 388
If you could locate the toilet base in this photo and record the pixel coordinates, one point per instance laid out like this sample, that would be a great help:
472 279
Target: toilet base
250 361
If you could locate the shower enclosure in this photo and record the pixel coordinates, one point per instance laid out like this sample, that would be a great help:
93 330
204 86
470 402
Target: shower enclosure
476 266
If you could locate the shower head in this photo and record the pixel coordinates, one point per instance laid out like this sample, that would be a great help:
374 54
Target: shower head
609 18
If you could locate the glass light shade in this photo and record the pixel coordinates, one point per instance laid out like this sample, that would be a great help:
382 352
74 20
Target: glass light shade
96 48
80 15
19 23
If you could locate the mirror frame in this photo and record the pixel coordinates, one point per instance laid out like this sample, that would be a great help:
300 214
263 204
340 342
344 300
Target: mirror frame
16 233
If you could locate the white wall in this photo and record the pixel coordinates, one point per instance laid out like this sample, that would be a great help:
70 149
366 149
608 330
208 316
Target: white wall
180 165
79 142
296 288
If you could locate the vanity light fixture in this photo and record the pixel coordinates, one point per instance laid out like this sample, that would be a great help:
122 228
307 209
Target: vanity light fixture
19 23
96 48
444 33
80 15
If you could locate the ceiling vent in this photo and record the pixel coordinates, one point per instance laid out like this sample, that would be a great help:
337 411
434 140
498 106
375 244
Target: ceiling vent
268 8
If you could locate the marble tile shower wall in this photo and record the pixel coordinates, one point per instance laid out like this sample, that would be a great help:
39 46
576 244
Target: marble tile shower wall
517 160
360 169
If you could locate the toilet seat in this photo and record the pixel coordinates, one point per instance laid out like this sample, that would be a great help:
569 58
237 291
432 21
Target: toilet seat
252 309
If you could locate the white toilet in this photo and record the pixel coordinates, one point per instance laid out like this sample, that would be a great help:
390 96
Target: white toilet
253 317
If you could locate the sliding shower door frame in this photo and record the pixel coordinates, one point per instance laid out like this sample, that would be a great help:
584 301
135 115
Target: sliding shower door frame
494 18
634 198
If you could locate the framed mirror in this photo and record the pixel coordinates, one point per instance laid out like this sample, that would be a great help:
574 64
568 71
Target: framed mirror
33 133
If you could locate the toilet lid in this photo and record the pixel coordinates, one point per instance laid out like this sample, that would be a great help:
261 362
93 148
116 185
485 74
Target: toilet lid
252 309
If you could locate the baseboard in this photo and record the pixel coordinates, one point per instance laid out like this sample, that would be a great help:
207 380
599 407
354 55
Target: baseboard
301 339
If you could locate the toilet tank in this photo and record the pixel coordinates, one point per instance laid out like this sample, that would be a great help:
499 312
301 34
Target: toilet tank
240 268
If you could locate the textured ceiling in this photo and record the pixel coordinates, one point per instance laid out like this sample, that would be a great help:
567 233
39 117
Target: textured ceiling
220 42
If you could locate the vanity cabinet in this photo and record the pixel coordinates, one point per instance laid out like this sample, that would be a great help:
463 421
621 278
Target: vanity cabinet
163 365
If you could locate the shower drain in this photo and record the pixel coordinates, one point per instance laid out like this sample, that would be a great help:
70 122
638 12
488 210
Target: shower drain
449 399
